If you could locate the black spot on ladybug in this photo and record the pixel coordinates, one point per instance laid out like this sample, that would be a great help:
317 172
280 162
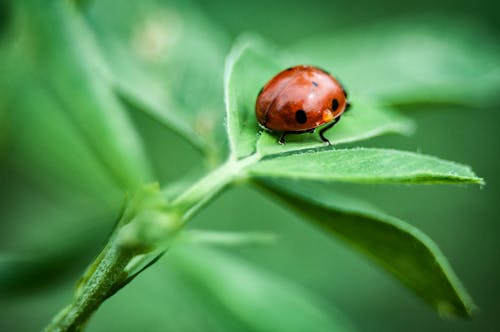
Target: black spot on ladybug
301 116
290 68
314 83
335 104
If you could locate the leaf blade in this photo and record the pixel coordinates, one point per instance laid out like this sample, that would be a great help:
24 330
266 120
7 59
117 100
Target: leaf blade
226 238
259 299
70 72
161 56
364 165
401 249
249 65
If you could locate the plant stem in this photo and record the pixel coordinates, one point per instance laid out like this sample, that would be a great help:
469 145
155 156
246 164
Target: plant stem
209 186
108 273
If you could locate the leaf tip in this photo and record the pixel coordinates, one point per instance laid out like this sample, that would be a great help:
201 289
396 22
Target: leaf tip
480 181
447 310
472 178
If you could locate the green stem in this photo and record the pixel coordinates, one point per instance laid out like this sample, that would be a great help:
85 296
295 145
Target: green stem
203 191
109 271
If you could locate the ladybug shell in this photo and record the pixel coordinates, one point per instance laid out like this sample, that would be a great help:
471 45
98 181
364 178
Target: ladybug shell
300 99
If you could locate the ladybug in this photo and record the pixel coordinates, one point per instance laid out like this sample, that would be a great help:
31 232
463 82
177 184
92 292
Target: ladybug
300 99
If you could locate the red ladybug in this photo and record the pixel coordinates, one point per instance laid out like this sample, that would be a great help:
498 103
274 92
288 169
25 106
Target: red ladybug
300 99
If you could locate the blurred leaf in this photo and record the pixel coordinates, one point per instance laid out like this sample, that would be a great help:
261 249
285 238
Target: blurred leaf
17 272
166 59
4 124
249 65
48 214
363 165
5 17
47 245
47 148
67 63
400 248
21 275
162 299
261 300
431 59
226 238
56 198
365 120
160 107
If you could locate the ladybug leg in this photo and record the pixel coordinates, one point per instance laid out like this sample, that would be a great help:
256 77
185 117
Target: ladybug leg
282 137
347 106
322 131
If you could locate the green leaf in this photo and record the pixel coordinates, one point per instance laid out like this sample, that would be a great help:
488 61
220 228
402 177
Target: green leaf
260 300
226 238
47 144
16 272
46 241
404 251
21 275
363 165
365 120
249 65
166 60
412 60
67 63
143 96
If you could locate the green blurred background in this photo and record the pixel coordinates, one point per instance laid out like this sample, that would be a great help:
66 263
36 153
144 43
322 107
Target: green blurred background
36 215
